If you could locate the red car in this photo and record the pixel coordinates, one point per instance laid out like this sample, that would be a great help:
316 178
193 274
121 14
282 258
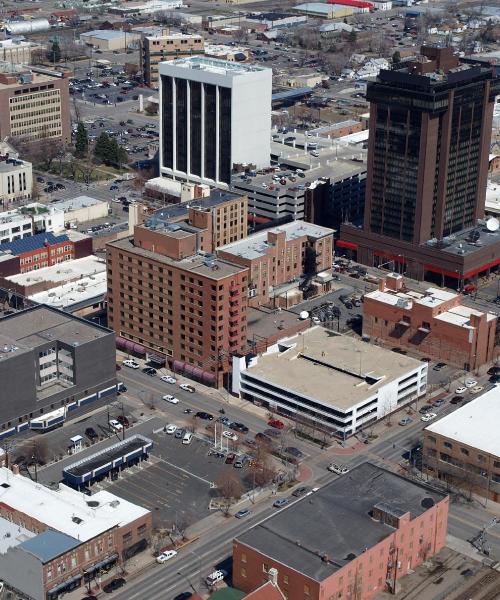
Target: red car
230 458
276 423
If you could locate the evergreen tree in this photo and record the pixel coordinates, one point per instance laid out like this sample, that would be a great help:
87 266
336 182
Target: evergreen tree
102 148
54 52
82 141
396 57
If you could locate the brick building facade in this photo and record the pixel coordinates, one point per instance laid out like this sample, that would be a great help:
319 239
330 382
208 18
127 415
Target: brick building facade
435 324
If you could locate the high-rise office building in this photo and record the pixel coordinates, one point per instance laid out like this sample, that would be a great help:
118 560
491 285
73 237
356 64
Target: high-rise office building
214 114
430 129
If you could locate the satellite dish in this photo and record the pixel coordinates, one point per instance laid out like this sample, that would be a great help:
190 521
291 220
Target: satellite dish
492 224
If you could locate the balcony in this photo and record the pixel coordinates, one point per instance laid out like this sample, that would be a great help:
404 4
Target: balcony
234 291
234 312
233 302
234 335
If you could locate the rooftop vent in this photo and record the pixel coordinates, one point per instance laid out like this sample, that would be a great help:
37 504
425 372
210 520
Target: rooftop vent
77 520
92 503
5 485
427 502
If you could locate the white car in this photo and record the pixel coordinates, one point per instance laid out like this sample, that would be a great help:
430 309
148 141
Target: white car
230 435
170 429
114 424
171 399
338 469
428 417
168 379
469 383
164 556
460 390
476 389
186 387
131 364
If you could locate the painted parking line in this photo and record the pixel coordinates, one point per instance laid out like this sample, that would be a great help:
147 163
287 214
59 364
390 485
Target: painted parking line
189 473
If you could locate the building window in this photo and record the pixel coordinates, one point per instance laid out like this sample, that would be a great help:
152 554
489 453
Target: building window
243 557
464 451
306 590
448 445
265 567
243 572
285 579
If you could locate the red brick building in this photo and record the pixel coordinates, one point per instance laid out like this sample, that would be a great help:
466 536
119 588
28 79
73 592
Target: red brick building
354 538
435 324
281 254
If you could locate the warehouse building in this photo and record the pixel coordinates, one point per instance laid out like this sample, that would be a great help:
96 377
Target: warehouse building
339 384
51 363
108 40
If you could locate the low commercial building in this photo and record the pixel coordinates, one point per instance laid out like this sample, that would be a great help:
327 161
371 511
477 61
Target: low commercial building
108 40
281 255
226 52
41 250
167 47
34 104
82 209
321 10
276 20
337 383
129 9
169 297
356 537
16 180
337 130
20 223
73 539
463 448
79 287
51 363
17 51
435 324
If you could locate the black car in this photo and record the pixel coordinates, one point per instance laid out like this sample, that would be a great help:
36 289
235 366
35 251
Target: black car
183 596
239 427
114 584
456 399
300 491
149 371
494 371
438 366
40 179
90 432
205 416
425 409
292 451
123 420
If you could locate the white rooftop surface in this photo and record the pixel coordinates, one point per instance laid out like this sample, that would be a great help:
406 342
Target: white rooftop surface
460 315
331 368
12 534
435 297
61 508
212 65
257 245
392 299
76 203
69 294
475 424
70 270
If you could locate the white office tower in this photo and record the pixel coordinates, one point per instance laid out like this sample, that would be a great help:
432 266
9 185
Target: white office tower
214 114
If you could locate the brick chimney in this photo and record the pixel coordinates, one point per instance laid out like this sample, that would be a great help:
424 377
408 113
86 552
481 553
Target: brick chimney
381 284
394 282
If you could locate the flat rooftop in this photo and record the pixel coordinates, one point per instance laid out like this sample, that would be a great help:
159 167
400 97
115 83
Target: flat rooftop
77 203
177 211
70 270
323 532
12 534
475 424
36 78
257 245
467 241
35 326
337 370
212 65
66 510
196 264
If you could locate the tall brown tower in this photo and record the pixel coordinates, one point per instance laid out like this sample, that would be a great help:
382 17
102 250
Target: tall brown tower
430 128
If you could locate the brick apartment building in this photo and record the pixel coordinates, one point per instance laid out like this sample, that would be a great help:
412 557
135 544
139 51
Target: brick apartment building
156 49
354 538
463 448
435 324
34 105
280 255
168 297
77 539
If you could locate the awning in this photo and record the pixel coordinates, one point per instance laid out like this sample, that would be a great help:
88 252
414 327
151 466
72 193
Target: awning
405 323
424 330
129 346
102 564
65 584
344 244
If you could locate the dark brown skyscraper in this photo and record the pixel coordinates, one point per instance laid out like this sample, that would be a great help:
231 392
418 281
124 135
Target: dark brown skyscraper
430 130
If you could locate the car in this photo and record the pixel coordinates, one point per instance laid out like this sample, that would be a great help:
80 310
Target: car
456 399
40 179
338 469
476 389
405 421
426 359
122 419
428 417
171 399
215 577
425 409
188 411
149 371
183 596
179 434
239 427
240 462
188 437
131 364
113 187
168 379
273 433
186 387
204 415
438 402
230 435
281 502
301 491
91 433
244 512
292 451
470 383
164 556
493 371
264 439
113 585
460 390
230 458
438 366
276 423
171 429
224 421
115 425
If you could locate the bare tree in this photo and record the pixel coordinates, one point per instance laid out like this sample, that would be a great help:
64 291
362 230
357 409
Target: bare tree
181 523
229 488
39 450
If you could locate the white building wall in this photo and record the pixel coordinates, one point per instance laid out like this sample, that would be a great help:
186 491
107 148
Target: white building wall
16 183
